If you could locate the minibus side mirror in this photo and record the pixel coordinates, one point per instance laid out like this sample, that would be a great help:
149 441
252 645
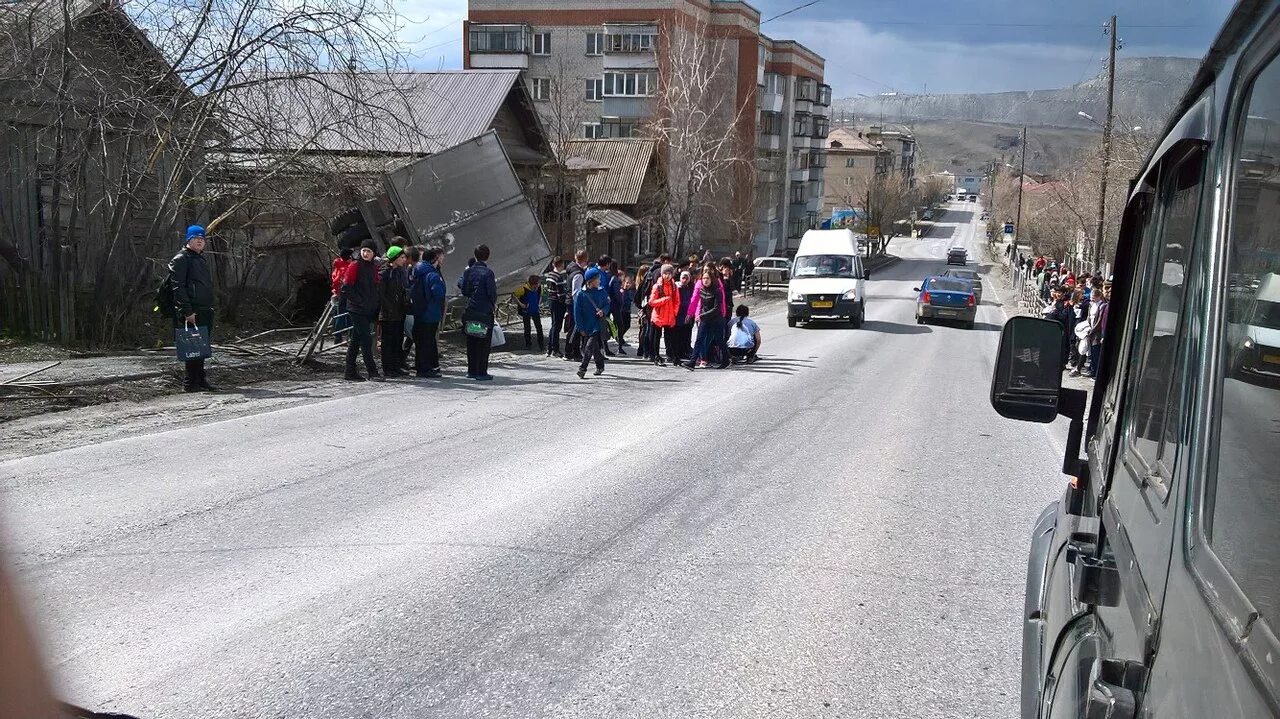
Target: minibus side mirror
1027 383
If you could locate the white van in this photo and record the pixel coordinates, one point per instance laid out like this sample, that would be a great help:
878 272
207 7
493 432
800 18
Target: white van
828 280
1258 348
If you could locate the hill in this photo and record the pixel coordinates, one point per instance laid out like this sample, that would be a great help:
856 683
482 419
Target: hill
1146 90
958 145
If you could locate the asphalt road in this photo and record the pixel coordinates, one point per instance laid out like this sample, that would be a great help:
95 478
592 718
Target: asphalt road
837 531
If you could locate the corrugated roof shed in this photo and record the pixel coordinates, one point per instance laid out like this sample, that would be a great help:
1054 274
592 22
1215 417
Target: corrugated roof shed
371 113
628 161
611 219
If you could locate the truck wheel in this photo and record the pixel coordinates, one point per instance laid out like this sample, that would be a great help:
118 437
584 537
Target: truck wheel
345 220
791 322
856 320
354 234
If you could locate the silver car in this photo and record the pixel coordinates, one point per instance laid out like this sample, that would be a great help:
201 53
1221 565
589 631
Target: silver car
969 275
772 270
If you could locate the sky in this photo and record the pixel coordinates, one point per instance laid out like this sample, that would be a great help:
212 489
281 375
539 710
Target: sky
935 46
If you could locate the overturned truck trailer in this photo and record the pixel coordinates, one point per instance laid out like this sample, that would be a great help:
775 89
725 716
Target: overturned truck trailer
469 195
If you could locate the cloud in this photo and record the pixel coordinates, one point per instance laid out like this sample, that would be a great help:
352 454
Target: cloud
432 32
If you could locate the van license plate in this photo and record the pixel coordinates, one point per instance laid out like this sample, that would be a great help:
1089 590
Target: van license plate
823 304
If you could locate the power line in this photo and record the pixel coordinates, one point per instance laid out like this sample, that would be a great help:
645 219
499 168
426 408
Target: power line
794 9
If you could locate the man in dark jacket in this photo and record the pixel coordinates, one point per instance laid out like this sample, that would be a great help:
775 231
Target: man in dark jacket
1062 311
191 285
427 293
481 290
360 287
393 301
573 277
553 287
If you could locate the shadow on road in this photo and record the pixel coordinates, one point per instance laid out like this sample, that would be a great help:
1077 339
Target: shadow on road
893 328
910 269
987 326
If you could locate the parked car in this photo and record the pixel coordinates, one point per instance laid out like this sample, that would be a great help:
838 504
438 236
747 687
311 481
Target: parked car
957 256
970 276
828 280
1153 582
928 214
946 298
772 270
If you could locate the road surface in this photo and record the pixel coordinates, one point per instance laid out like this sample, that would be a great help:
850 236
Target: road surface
837 531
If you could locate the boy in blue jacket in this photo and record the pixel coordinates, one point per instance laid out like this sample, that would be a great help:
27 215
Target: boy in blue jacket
528 305
426 298
590 307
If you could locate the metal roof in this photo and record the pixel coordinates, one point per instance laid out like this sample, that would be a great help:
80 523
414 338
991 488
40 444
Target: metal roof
850 141
609 219
628 161
410 113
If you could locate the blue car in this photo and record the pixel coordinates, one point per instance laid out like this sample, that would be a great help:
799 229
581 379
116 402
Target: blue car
946 298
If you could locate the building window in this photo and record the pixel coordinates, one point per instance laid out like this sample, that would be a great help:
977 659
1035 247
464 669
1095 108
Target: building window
773 83
821 125
592 130
817 159
595 43
630 84
542 43
801 125
771 123
615 127
499 38
629 42
848 182
824 95
540 88
594 89
797 226
799 192
806 89
850 162
800 160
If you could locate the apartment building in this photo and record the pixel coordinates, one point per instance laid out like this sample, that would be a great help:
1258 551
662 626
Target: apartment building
852 161
902 144
605 56
794 119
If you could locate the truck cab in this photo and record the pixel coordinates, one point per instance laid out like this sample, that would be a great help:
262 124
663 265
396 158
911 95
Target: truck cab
1153 584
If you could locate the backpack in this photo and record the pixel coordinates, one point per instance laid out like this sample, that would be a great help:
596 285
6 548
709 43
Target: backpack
641 300
164 295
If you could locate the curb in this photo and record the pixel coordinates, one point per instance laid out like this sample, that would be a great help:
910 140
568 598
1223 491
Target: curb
880 261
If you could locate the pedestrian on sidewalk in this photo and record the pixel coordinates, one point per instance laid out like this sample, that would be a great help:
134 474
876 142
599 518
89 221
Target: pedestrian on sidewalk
394 305
706 309
1080 331
1100 308
664 307
684 321
553 289
744 337
360 290
340 321
574 272
590 307
528 299
427 297
191 286
480 287
624 312
614 274
644 290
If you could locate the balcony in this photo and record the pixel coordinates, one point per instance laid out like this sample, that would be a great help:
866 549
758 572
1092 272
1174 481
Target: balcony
820 127
802 125
770 102
824 95
500 46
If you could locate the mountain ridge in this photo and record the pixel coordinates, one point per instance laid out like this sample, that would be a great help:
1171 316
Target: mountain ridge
1146 90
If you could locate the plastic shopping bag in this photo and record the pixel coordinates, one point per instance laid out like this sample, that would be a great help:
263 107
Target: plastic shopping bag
192 343
499 338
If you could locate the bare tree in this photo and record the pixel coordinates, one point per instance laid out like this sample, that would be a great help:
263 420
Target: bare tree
560 186
886 200
709 165
144 115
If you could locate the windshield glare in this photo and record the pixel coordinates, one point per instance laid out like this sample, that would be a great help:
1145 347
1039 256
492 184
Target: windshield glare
1266 314
823 266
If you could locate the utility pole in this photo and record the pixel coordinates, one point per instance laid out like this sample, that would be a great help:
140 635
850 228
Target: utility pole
1106 148
1017 225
